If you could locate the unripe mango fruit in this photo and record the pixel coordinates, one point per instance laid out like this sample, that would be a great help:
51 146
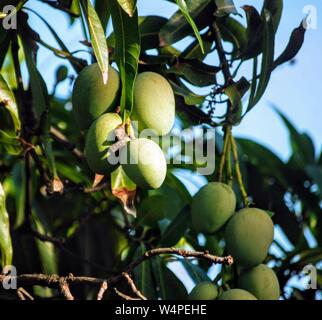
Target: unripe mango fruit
91 97
204 291
144 162
248 235
236 294
261 281
98 139
154 103
212 206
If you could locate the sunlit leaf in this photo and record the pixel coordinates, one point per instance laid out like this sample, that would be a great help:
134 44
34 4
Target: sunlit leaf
8 101
128 6
185 11
5 238
124 189
98 39
127 51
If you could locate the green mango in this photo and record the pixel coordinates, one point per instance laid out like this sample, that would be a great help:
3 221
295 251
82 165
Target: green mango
204 291
144 162
154 104
236 294
212 206
98 139
248 235
261 281
91 97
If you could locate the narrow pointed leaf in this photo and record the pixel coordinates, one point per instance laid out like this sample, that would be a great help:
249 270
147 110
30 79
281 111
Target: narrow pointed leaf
128 6
293 47
127 51
5 239
185 11
98 39
7 100
225 7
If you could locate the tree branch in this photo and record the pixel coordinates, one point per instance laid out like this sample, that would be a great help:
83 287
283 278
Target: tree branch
62 283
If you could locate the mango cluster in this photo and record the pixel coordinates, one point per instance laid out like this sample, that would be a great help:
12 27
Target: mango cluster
94 104
248 235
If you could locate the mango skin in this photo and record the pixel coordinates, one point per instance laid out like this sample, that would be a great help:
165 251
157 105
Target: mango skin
212 206
248 235
91 98
99 137
154 103
204 291
236 294
144 162
261 281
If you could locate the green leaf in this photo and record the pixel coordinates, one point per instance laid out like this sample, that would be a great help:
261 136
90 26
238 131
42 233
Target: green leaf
255 29
10 143
195 72
275 7
185 11
225 7
97 36
177 228
5 238
103 11
7 100
267 60
234 32
41 104
143 274
19 179
124 189
293 47
177 27
40 101
235 93
195 272
127 51
47 250
193 51
190 98
168 285
76 64
302 145
149 31
128 6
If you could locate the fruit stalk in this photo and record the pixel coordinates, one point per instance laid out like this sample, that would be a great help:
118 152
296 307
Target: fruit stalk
238 172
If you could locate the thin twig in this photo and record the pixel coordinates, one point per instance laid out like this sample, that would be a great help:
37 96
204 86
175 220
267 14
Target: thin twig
124 296
102 290
238 172
133 286
23 294
64 287
224 154
229 173
61 138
